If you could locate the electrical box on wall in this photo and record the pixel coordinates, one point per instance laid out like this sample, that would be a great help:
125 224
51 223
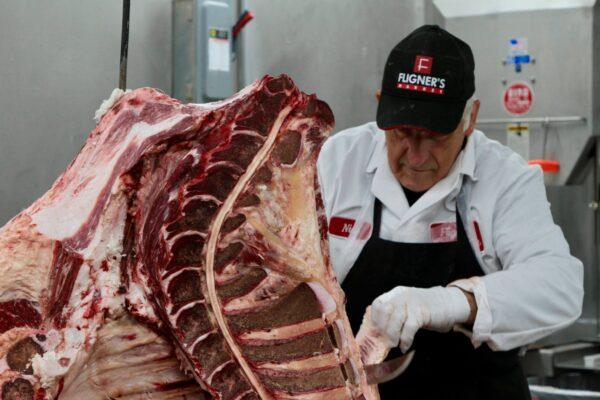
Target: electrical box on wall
214 58
204 67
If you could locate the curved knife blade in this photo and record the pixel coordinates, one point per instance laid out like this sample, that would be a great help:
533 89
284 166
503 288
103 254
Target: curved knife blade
388 370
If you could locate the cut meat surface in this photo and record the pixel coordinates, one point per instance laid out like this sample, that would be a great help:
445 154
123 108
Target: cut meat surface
182 255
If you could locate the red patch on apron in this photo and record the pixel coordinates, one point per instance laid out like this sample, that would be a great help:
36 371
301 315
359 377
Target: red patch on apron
340 226
443 232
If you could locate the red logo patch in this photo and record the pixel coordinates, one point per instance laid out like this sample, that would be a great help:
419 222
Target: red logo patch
423 65
443 232
340 226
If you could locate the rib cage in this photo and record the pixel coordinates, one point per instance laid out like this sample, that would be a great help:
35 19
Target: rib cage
205 223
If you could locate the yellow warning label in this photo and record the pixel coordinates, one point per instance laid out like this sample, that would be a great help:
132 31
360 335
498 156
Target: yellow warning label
517 138
518 128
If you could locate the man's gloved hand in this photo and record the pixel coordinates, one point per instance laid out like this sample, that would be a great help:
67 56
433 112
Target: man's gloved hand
402 311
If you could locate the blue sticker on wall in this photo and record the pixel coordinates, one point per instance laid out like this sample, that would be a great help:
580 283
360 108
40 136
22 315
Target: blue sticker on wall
518 53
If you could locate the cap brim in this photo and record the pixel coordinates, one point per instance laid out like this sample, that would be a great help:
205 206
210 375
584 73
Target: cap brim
442 117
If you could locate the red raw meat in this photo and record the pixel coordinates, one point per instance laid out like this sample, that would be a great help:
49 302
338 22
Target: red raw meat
182 237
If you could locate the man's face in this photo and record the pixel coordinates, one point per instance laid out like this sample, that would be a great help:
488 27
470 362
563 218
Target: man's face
418 158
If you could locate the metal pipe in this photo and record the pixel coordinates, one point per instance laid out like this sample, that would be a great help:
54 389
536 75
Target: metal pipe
530 120
124 45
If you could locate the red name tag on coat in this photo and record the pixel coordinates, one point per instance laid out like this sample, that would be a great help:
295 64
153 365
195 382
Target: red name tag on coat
340 226
443 232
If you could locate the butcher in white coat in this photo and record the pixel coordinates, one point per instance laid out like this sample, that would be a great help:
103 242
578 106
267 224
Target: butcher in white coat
445 233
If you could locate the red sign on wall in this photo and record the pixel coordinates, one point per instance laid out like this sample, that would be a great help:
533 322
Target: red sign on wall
518 98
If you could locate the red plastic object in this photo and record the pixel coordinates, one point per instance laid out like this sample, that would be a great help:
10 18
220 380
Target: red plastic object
548 166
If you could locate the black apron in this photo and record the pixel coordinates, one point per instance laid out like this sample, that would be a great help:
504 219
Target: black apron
445 366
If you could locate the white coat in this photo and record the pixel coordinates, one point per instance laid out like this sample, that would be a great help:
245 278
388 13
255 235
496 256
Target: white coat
532 285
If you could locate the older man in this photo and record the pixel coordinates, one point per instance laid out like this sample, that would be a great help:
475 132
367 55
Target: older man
446 233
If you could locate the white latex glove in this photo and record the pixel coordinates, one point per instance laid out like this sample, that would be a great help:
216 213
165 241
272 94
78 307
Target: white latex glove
402 311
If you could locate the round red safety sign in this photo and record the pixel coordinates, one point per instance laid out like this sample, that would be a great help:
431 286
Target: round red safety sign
518 98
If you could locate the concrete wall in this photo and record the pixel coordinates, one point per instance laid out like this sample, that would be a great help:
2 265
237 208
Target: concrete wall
335 48
58 60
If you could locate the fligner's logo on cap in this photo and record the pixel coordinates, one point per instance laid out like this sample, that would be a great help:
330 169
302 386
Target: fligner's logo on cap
423 65
421 80
427 80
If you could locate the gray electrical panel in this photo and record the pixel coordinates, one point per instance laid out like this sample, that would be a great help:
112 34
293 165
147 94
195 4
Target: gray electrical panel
204 67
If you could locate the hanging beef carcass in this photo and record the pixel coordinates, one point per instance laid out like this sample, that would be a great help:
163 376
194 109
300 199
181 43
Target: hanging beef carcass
182 255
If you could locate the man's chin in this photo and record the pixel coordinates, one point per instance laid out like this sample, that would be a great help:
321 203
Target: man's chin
420 184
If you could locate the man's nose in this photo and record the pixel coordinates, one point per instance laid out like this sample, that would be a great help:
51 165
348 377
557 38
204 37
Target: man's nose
418 151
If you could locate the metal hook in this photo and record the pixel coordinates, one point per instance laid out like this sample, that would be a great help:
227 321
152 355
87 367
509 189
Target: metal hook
124 45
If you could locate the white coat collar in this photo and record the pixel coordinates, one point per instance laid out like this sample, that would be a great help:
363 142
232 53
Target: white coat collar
377 150
387 189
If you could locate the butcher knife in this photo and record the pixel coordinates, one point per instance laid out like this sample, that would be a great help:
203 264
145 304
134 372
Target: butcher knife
387 370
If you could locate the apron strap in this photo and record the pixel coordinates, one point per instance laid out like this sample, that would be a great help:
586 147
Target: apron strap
377 218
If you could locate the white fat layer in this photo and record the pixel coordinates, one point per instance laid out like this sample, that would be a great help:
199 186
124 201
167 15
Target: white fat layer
73 204
48 368
25 258
55 363
82 294
290 212
107 244
273 209
138 301
342 332
93 284
53 339
195 153
174 194
325 299
3 365
108 103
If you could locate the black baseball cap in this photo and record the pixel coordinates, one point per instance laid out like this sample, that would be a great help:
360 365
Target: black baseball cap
427 80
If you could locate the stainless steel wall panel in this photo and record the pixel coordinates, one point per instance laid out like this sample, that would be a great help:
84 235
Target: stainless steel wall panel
561 39
570 206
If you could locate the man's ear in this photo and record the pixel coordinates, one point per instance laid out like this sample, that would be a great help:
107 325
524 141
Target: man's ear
378 94
473 118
